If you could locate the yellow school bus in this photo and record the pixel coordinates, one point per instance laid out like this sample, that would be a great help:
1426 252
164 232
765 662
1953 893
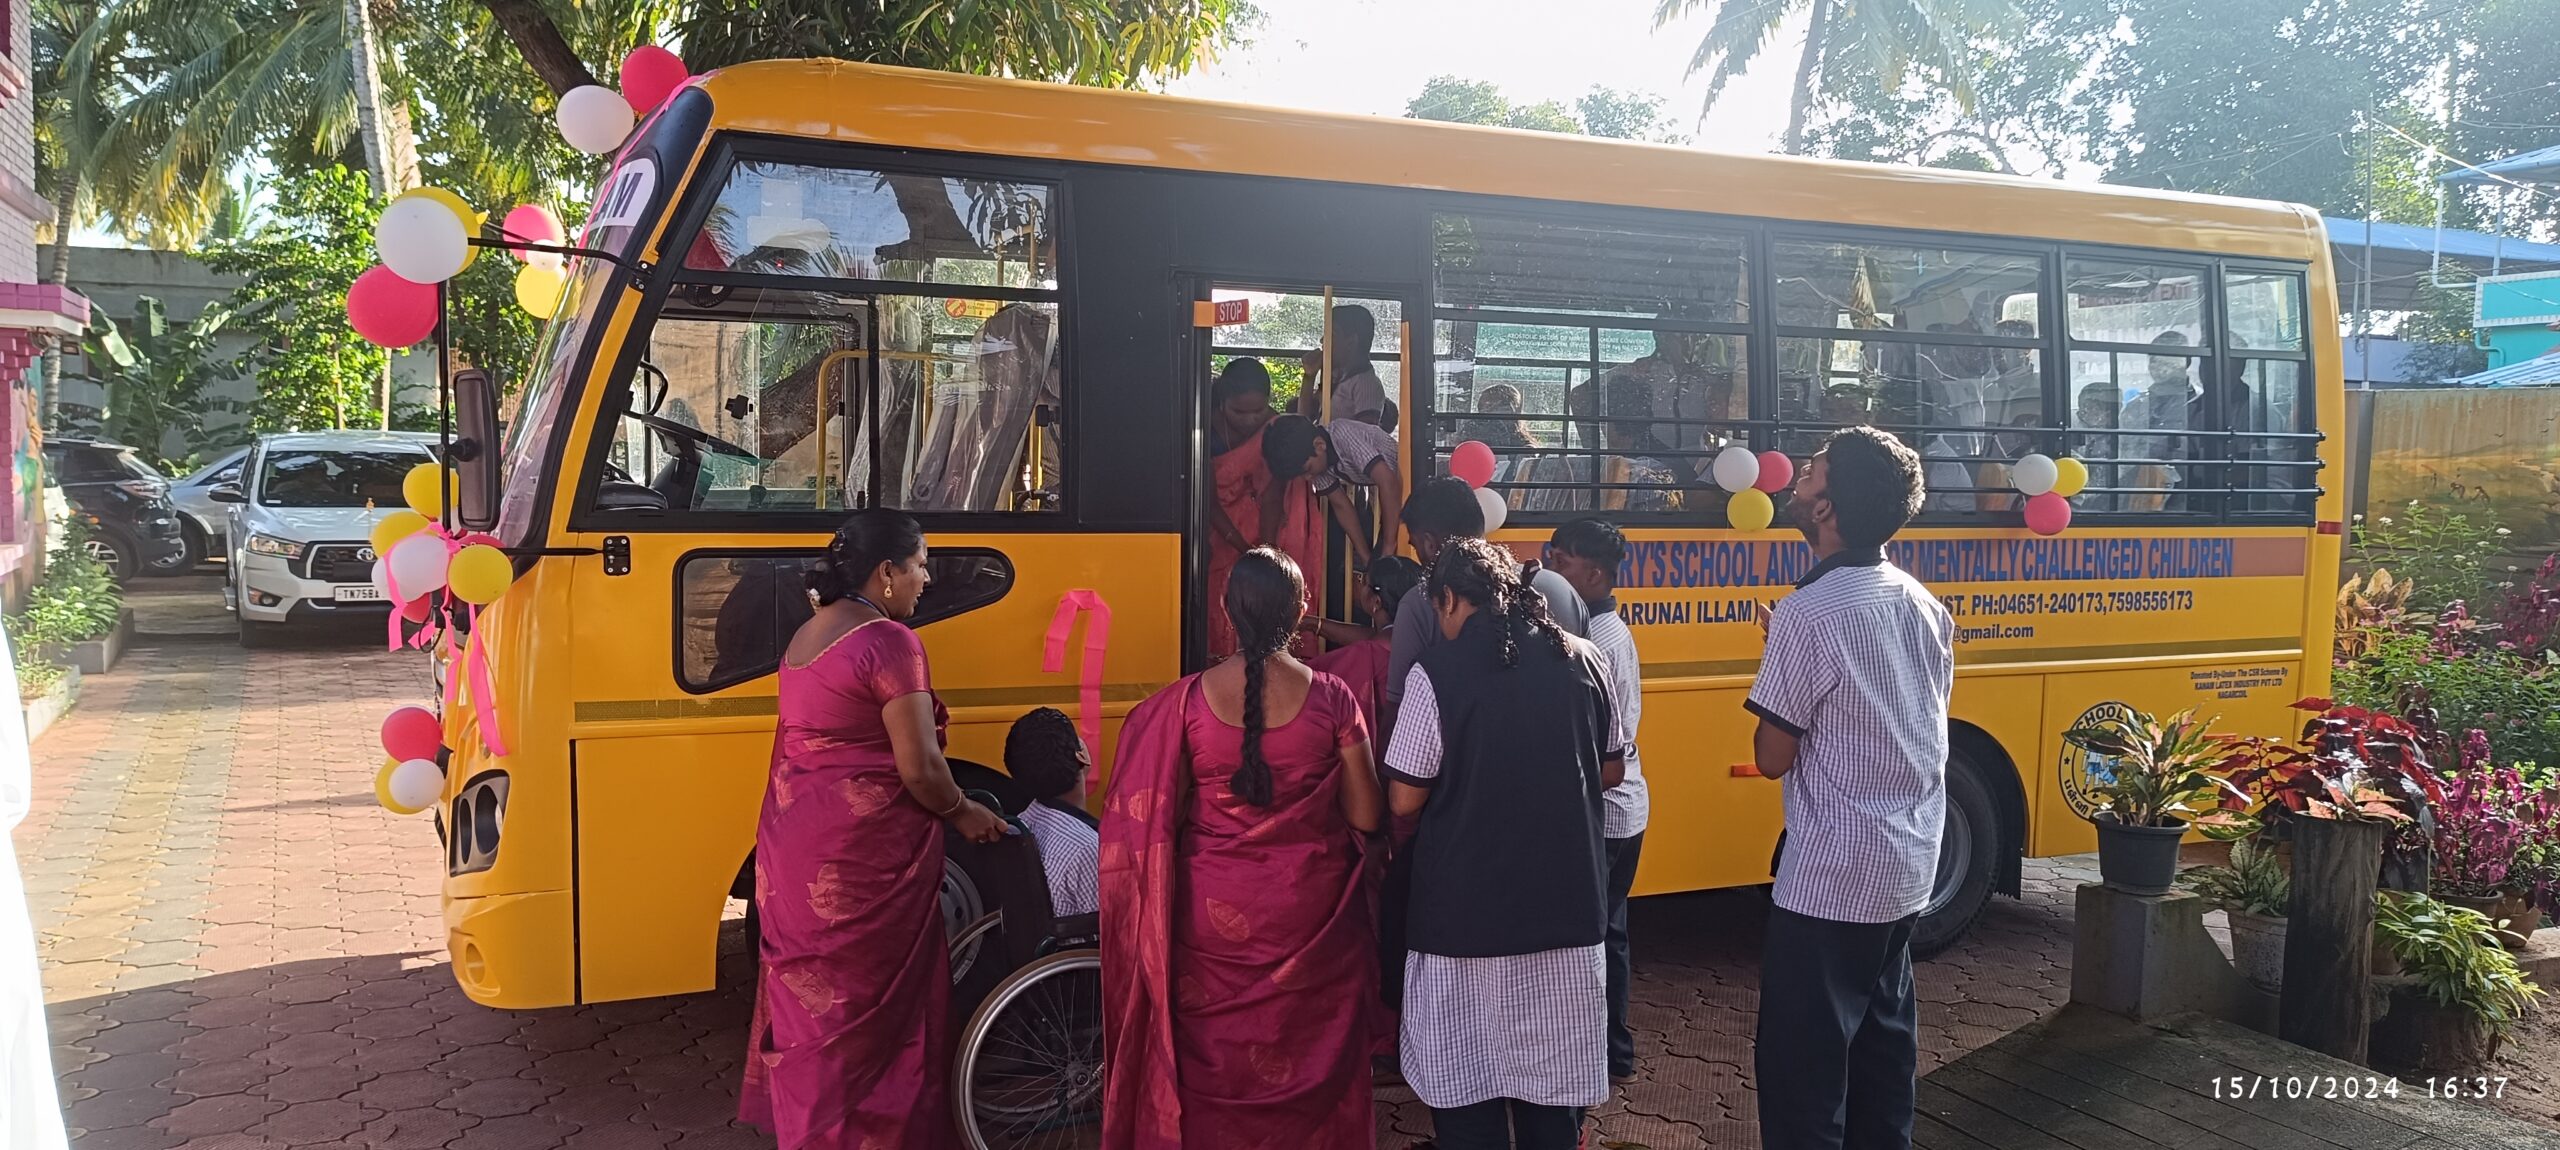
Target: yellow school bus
818 286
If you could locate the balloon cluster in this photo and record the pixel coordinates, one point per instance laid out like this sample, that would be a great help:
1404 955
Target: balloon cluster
425 236
1473 461
2048 484
1749 480
432 573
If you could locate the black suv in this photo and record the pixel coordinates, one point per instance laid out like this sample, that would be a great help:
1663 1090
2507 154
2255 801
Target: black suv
133 527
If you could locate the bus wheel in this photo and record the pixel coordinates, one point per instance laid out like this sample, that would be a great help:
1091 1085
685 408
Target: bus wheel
1968 857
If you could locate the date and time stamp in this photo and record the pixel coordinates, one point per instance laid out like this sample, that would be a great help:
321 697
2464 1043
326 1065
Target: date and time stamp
2355 1088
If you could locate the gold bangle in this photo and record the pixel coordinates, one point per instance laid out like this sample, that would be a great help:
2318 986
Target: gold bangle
954 808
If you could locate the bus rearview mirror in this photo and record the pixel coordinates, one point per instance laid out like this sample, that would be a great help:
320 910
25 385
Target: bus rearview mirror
475 449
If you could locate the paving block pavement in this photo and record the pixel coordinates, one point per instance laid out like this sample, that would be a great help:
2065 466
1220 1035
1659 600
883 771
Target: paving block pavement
241 951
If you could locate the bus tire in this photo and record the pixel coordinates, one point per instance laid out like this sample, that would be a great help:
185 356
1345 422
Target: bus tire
1968 858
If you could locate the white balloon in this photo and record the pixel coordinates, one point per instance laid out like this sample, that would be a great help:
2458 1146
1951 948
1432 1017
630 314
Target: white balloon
1495 510
417 783
418 564
2034 474
382 577
1736 469
422 241
594 119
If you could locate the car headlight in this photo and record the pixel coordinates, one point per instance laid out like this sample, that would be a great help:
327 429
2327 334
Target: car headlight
270 545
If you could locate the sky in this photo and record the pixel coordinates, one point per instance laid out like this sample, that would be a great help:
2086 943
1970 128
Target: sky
1373 55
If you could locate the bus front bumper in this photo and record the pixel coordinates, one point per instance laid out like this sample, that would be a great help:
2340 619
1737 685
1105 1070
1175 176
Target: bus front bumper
513 951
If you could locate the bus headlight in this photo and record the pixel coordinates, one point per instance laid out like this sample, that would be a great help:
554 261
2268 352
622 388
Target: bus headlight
473 823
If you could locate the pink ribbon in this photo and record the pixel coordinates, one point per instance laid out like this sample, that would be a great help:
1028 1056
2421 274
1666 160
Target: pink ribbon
473 669
1097 642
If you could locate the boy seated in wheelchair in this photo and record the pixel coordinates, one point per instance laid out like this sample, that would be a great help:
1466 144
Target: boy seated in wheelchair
1046 757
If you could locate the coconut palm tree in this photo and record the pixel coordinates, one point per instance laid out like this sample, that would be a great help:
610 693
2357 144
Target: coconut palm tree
1892 35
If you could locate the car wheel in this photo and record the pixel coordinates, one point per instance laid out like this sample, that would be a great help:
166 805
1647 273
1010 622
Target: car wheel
254 634
117 550
183 561
1968 857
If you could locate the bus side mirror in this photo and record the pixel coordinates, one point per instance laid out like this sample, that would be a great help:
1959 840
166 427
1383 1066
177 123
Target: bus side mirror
475 449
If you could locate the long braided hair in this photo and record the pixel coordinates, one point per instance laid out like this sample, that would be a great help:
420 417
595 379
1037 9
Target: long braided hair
1480 573
1265 595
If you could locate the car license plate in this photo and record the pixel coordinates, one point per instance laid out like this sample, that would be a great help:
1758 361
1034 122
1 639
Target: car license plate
358 593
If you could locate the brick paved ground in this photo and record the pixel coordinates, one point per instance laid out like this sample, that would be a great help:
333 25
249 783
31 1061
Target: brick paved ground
242 952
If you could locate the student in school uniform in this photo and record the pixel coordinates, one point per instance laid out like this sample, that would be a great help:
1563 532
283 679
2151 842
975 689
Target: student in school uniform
1587 552
1504 747
1852 702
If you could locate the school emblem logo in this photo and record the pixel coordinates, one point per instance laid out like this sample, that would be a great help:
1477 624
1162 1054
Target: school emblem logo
2083 772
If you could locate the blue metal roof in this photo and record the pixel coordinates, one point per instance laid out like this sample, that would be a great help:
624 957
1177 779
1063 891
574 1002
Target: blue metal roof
2541 371
2348 236
2541 165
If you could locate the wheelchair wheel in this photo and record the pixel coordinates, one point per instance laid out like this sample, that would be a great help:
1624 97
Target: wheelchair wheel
1029 1071
962 908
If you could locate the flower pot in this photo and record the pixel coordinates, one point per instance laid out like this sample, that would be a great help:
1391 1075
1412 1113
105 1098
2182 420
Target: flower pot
2138 860
2523 918
2421 1035
2257 949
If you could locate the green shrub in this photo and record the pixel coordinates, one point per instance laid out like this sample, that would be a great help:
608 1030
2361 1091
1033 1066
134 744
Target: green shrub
2446 556
2514 698
2454 954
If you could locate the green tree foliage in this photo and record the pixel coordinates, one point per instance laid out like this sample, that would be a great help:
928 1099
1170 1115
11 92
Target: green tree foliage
313 370
1600 112
154 372
1888 41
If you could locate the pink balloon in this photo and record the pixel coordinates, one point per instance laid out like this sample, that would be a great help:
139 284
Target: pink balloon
2048 514
412 733
1473 462
534 223
650 74
1777 472
418 610
390 311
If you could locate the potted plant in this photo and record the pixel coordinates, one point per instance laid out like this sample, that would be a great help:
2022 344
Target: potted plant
2253 890
2164 779
2484 827
2460 993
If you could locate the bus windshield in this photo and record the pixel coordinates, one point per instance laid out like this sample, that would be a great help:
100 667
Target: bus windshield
528 435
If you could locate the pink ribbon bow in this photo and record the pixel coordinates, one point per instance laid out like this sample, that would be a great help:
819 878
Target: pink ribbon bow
1097 642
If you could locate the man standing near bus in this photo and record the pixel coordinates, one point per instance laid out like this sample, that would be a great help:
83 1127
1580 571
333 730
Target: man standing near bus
1852 702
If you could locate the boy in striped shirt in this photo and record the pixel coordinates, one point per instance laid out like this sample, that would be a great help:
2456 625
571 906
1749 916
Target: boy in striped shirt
1588 552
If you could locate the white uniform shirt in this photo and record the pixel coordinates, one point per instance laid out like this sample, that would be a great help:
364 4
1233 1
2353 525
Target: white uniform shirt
1629 806
1859 665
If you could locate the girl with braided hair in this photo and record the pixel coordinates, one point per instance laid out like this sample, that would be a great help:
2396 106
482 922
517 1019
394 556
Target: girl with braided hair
1238 920
1504 744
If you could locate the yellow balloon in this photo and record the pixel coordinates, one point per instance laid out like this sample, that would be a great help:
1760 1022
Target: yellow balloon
539 287
395 527
382 790
1749 509
461 209
427 488
480 573
2070 475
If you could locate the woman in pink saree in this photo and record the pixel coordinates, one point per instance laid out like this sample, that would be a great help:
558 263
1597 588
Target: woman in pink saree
1263 484
850 1048
1238 962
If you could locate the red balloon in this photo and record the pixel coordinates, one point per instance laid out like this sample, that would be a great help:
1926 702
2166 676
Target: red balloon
412 733
390 311
1473 462
650 74
2048 514
1777 472
418 610
534 223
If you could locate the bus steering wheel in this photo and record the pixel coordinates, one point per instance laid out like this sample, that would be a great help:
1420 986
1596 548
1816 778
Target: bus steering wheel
697 435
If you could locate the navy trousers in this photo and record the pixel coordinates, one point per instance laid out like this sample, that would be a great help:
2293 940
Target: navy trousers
1503 1123
1838 1056
1623 854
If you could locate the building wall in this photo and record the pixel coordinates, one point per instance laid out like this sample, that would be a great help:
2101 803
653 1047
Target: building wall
18 162
2516 316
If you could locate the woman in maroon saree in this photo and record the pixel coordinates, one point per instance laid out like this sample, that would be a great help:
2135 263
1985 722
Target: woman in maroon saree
1238 964
850 1048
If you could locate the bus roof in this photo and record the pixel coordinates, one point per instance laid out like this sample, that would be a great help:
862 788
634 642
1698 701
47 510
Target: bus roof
943 111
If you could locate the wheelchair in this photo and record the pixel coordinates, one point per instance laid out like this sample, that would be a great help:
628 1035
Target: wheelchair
1026 991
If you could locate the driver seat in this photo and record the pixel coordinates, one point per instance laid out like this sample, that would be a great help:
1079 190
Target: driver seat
624 495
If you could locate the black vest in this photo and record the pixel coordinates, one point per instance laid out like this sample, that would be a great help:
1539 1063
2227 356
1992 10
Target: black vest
1509 859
